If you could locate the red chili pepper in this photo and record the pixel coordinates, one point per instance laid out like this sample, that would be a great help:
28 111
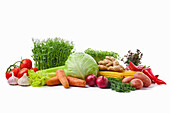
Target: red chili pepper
154 78
132 66
135 68
127 68
149 74
140 67
159 82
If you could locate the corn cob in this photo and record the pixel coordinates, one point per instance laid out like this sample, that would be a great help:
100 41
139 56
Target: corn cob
128 73
110 74
116 74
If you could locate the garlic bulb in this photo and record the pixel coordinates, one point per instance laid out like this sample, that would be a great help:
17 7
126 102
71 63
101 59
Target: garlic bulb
13 80
24 80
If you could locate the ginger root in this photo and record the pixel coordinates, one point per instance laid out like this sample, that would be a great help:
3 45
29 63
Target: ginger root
102 67
110 64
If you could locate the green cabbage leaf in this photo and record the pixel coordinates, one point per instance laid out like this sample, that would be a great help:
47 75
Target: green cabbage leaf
80 65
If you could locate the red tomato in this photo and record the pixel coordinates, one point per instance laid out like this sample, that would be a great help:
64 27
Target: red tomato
22 71
15 71
35 69
26 63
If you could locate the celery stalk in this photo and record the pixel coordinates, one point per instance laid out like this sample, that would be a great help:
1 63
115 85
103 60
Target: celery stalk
39 78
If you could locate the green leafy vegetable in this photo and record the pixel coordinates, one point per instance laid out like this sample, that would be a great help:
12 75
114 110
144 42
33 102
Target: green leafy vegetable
51 52
100 55
117 85
80 65
39 78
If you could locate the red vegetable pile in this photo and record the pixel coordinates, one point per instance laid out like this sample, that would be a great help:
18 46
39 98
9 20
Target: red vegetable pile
24 66
146 71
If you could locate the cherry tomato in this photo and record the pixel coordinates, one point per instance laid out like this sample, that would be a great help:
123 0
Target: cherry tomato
15 71
26 63
35 69
22 71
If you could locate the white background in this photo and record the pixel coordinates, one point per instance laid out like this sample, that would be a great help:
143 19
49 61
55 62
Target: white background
112 25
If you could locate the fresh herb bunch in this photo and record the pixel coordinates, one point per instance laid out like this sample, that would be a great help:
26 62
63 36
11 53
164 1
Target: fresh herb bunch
117 85
100 55
133 57
51 52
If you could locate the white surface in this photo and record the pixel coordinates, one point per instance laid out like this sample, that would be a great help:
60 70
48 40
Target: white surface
104 25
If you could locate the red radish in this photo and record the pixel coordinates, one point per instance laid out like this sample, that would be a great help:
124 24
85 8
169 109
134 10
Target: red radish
21 72
91 80
102 82
26 63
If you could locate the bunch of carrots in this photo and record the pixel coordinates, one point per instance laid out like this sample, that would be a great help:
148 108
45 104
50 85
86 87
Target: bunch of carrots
66 81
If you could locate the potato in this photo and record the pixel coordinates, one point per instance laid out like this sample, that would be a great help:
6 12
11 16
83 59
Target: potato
137 83
127 79
145 79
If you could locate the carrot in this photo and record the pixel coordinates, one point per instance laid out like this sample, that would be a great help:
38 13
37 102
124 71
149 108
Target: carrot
53 81
76 82
62 78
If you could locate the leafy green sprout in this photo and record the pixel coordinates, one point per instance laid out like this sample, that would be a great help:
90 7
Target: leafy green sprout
51 52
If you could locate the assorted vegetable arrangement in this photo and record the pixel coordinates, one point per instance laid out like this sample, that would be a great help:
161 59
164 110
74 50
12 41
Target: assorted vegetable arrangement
18 74
57 64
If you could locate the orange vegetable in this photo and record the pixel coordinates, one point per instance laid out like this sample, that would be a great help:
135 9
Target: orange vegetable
62 78
76 82
53 81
